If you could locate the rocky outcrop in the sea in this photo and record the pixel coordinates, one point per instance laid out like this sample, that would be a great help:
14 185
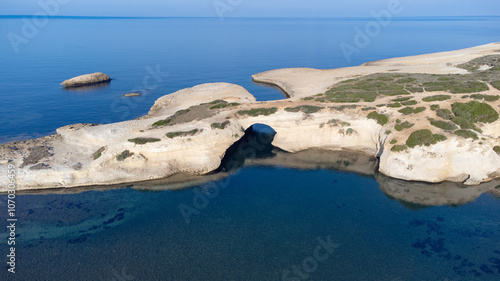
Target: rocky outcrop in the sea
86 80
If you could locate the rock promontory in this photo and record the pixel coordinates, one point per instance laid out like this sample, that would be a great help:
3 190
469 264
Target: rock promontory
430 118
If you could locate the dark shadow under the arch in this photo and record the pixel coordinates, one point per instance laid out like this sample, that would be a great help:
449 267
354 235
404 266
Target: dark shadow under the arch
256 143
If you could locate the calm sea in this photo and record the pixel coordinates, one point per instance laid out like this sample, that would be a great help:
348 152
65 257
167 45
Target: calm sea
260 223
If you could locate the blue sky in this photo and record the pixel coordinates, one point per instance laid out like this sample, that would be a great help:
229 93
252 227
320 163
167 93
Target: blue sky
248 8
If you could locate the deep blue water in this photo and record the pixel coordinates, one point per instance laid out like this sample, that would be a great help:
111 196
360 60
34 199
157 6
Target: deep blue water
264 220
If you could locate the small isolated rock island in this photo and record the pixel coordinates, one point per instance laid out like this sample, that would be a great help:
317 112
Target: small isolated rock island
429 118
86 80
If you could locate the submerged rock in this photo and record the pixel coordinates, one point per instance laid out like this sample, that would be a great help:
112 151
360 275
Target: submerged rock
135 94
86 79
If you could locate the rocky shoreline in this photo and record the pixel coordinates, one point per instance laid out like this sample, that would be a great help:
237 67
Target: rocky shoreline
408 112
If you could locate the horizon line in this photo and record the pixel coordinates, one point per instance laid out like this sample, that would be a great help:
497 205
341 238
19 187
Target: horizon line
249 17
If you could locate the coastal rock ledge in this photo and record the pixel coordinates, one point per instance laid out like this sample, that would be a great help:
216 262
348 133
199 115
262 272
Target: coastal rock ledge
429 118
86 80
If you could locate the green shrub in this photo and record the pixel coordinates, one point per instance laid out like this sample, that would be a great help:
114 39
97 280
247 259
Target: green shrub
124 155
394 105
423 137
143 140
475 111
419 109
399 148
466 134
342 107
411 110
224 105
308 98
410 102
404 125
401 99
496 148
172 135
444 125
258 111
406 110
436 98
221 126
169 119
162 122
439 138
304 108
435 107
336 123
216 102
380 118
394 141
98 153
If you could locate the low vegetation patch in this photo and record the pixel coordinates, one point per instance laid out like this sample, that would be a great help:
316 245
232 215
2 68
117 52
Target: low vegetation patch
399 148
496 84
411 110
401 99
172 135
447 126
369 87
394 141
220 126
336 123
304 108
456 86
466 134
169 119
124 155
423 137
403 125
485 97
465 124
435 107
445 114
436 98
343 107
143 140
258 111
393 105
217 104
98 153
380 118
410 102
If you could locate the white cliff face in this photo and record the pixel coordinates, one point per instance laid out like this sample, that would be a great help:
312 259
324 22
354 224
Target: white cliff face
299 131
196 154
455 160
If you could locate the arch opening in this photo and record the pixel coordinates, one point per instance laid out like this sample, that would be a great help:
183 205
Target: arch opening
256 143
